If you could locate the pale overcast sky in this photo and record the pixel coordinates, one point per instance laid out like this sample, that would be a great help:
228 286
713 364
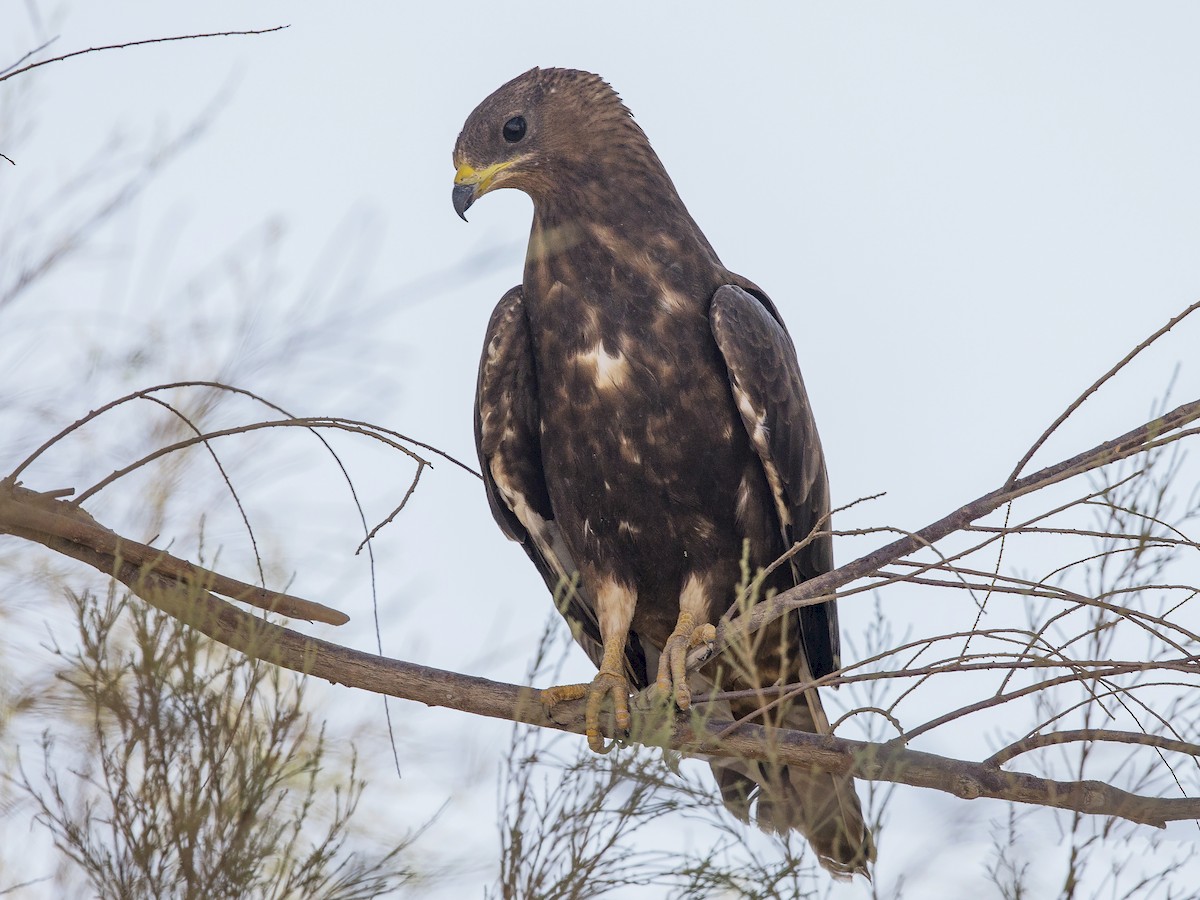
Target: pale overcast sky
966 212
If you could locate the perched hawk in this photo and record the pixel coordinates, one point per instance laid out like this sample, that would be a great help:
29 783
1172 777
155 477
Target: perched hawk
642 427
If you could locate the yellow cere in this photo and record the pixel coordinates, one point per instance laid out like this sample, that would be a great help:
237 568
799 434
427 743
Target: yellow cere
468 174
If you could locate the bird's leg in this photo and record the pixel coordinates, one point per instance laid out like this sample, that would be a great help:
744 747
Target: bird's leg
672 665
609 680
614 609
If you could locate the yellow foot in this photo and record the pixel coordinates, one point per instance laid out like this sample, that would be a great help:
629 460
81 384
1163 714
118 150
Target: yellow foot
604 684
552 696
672 665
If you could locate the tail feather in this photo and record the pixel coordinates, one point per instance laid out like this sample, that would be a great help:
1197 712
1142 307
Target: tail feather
821 806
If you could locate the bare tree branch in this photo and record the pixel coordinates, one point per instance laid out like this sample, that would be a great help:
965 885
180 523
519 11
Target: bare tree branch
55 523
179 592
1054 738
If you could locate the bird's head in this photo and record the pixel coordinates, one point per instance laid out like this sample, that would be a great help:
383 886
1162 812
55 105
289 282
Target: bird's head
543 131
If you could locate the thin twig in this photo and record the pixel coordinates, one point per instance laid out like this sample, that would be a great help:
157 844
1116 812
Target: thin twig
1054 738
363 428
34 52
237 500
1096 385
162 40
1083 532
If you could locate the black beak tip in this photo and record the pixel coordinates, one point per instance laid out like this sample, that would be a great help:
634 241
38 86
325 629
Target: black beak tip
463 197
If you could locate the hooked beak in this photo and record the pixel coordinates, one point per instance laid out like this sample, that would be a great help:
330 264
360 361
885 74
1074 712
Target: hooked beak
463 196
470 184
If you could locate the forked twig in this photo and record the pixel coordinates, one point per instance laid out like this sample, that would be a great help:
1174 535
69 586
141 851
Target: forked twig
1095 386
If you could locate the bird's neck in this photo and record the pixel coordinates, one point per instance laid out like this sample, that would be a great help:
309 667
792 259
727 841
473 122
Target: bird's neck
614 226
591 275
638 190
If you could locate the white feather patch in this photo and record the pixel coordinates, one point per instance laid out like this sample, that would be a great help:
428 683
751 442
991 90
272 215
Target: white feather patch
674 302
614 608
694 598
760 435
546 534
629 451
608 370
742 509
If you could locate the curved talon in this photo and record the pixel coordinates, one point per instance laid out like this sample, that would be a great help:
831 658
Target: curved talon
672 665
703 634
603 684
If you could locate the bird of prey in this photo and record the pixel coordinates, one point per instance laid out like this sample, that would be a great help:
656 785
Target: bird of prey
644 433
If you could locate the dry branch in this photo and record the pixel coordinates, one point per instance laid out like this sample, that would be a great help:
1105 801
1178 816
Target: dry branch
1056 738
56 524
177 588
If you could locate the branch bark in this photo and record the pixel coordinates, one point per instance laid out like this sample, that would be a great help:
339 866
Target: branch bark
69 530
46 520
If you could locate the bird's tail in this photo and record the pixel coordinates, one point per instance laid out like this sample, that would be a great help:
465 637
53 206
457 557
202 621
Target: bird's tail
821 806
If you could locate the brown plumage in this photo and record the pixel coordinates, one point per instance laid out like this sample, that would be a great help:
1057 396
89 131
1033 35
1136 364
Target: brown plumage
641 425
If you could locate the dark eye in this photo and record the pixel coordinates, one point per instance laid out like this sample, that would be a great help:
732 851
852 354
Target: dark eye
514 129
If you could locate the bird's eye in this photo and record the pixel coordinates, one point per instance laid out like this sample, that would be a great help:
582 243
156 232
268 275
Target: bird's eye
514 129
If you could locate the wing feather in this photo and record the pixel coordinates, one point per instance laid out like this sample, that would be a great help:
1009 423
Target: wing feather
769 391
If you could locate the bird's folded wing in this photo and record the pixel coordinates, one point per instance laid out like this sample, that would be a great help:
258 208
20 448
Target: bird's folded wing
769 392
508 439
